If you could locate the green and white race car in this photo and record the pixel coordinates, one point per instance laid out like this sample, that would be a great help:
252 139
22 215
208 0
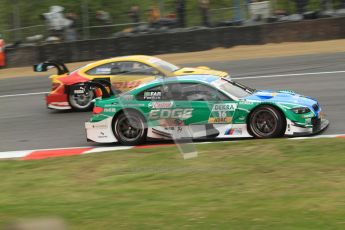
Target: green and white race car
201 106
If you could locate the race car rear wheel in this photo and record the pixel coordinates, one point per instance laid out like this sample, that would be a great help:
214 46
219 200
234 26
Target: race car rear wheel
130 128
81 102
266 122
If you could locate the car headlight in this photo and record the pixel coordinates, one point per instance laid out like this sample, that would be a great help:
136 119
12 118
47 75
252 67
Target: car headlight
301 110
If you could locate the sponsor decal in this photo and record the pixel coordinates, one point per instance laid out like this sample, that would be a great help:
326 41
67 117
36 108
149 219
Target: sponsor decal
173 128
153 95
233 131
222 113
246 103
81 90
127 97
182 114
102 135
224 107
220 120
110 110
125 84
99 126
161 105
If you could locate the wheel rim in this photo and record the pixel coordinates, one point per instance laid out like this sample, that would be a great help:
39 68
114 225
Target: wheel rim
264 123
81 101
129 129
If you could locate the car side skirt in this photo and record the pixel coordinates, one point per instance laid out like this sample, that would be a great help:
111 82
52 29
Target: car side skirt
102 132
199 131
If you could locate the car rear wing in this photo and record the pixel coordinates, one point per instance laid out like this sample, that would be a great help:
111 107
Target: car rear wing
45 66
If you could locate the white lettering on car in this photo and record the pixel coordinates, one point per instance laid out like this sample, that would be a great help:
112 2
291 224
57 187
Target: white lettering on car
171 113
224 107
110 110
161 105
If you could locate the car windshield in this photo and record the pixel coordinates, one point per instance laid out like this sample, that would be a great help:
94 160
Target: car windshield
164 65
234 88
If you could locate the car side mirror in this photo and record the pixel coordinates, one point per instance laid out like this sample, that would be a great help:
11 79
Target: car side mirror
40 67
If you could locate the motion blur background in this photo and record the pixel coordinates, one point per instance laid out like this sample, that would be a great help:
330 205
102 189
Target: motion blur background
83 30
36 20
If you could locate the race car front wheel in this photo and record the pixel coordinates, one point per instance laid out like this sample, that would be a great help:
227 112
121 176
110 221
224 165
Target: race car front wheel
81 102
266 122
129 128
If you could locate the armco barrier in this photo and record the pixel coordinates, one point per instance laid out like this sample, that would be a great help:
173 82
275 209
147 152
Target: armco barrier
23 56
184 41
308 30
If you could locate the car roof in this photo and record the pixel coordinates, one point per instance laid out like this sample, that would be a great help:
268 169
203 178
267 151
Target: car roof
206 78
136 58
143 58
131 57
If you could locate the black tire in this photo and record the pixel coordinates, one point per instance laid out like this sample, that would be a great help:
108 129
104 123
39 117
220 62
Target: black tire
130 128
266 122
81 102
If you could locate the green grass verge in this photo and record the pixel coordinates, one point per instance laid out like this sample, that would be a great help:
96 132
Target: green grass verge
254 184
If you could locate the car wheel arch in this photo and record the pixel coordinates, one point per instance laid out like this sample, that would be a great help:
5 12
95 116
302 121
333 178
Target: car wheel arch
275 106
69 92
130 110
121 111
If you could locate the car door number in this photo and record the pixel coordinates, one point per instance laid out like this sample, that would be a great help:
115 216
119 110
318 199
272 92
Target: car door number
222 113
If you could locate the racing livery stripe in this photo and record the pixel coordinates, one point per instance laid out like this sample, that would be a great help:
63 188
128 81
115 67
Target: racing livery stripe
42 154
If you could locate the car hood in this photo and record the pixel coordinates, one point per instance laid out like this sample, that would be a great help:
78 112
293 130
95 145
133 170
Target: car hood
283 96
200 71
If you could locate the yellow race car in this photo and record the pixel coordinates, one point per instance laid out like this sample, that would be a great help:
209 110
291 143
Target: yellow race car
123 73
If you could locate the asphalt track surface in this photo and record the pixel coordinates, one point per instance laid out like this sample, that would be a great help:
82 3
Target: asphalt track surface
25 122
